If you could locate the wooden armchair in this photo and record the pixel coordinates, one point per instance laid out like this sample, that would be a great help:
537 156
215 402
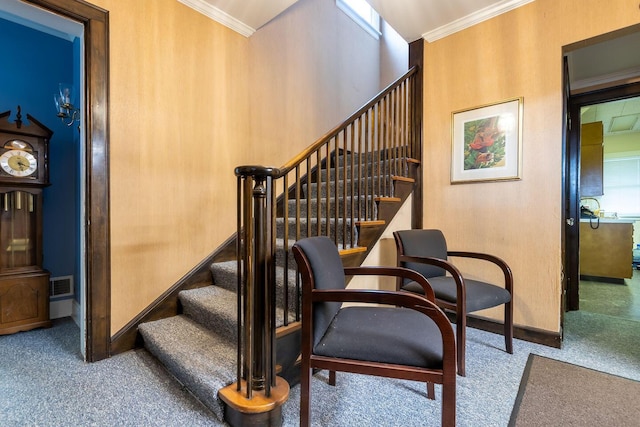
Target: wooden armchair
425 251
402 336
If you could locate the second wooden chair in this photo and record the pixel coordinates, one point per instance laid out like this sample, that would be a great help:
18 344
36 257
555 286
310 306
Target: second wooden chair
425 251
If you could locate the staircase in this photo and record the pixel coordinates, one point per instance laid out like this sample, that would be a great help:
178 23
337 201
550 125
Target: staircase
346 187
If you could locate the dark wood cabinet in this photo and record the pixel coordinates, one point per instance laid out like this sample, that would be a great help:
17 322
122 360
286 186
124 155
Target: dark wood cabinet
591 159
24 302
24 284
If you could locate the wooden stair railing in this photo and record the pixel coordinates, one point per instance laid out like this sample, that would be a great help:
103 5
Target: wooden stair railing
333 188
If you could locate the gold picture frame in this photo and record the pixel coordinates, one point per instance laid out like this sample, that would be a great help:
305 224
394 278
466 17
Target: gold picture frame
487 142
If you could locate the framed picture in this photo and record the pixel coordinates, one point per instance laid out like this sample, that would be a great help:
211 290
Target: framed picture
487 142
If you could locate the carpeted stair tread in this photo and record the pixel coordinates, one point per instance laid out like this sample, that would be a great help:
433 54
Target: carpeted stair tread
201 360
213 307
225 275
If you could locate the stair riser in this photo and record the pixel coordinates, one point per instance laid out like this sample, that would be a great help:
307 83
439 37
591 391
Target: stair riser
324 231
394 167
372 187
369 157
215 311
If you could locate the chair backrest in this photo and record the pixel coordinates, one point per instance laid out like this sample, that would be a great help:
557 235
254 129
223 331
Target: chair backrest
318 258
426 243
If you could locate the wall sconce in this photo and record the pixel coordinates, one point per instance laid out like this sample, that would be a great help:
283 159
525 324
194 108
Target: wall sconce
64 105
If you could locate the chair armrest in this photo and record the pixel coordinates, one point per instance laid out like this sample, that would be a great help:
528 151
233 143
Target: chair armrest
394 272
451 269
506 270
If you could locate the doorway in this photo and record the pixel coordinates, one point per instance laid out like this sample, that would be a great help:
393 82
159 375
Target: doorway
609 283
96 177
601 88
576 104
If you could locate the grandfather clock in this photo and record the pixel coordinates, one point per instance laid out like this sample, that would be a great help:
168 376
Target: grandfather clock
24 172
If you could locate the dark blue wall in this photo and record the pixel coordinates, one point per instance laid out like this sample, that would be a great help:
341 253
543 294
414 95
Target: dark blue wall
32 65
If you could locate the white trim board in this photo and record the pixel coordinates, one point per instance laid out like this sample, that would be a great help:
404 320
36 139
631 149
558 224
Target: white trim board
62 308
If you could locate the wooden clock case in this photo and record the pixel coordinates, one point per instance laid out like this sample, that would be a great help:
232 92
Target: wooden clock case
24 284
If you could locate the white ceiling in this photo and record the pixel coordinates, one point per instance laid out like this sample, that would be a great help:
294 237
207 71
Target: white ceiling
615 60
40 19
617 117
412 19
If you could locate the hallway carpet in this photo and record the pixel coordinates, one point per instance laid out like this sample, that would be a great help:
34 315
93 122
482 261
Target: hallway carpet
44 382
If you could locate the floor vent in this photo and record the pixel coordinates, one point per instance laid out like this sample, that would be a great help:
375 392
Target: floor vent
61 286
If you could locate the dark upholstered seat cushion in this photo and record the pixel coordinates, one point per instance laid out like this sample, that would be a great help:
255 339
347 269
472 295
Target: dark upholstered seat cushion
407 337
480 295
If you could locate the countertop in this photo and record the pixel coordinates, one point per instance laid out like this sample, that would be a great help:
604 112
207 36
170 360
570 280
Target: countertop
609 220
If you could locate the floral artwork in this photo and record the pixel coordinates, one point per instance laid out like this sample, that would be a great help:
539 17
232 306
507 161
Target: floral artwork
486 142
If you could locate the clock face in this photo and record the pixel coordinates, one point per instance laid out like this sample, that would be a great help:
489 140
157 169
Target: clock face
18 163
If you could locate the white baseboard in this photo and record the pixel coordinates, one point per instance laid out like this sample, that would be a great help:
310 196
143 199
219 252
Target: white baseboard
75 312
58 309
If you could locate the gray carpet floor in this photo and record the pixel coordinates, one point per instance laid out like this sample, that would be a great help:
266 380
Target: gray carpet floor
44 382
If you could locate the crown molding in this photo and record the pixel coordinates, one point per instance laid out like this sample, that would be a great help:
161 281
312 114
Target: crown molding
473 19
219 16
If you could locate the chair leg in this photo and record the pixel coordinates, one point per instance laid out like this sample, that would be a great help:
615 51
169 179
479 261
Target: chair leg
431 391
332 377
449 405
508 327
305 395
461 339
